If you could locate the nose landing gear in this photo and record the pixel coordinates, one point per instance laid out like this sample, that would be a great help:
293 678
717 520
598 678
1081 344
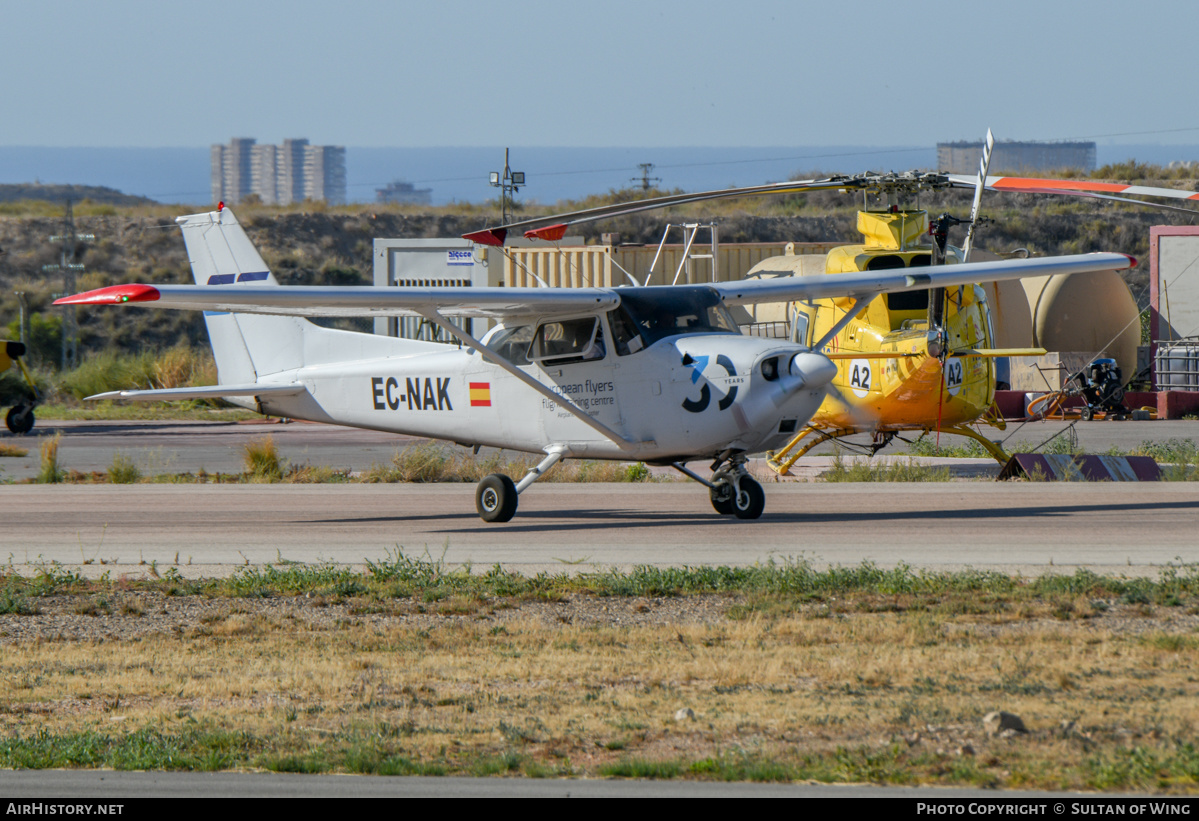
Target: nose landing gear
732 491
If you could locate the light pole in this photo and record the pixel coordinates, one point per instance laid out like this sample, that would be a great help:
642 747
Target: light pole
509 184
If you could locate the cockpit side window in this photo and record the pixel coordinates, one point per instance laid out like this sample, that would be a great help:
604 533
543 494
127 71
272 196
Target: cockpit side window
567 340
512 343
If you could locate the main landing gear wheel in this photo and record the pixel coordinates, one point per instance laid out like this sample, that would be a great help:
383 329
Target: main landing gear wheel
20 419
749 500
495 498
721 495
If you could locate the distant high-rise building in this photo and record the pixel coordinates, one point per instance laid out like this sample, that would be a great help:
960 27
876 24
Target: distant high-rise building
292 172
964 157
264 173
325 173
232 170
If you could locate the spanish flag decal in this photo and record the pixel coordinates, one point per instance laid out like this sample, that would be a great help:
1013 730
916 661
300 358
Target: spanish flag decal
480 394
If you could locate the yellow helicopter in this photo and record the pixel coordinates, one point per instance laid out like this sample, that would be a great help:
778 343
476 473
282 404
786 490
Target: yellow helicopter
922 361
917 361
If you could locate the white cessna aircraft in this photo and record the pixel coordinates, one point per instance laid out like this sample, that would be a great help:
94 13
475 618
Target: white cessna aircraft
654 374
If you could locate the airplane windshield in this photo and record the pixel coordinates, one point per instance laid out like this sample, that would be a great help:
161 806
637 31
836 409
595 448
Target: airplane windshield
647 315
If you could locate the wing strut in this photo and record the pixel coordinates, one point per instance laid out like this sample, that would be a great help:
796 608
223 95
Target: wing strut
856 308
491 356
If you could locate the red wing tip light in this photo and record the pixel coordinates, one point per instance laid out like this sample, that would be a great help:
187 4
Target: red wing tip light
488 236
552 233
113 295
1132 261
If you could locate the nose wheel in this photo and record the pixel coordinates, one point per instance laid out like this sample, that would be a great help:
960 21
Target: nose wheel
732 491
750 499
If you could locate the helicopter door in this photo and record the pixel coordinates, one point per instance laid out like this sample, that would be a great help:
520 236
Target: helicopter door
799 328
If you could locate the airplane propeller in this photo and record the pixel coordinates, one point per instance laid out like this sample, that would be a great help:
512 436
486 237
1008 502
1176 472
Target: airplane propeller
863 417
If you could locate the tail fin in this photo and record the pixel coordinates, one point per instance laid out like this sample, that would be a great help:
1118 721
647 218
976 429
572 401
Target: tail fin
249 347
245 346
220 252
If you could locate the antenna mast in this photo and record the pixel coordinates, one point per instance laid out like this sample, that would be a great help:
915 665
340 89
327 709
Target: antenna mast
70 321
645 179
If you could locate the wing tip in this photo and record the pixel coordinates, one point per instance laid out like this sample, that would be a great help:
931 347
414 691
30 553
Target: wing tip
488 236
112 295
552 233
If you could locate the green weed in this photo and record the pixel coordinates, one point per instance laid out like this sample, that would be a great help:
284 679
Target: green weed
925 446
123 470
108 371
896 471
643 768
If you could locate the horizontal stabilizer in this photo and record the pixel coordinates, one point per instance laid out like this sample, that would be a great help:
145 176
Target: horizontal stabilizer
204 392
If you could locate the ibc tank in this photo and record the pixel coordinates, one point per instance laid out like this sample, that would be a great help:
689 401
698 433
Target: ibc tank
1010 316
1085 312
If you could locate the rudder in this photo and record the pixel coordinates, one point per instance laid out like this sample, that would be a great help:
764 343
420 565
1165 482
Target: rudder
245 346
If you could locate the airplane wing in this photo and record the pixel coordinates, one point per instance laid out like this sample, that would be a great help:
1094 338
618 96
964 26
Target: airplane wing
356 301
869 283
502 302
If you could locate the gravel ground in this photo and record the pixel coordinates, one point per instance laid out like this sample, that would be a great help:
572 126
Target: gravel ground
129 615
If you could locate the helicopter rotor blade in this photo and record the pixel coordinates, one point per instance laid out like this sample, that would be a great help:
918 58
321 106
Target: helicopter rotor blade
1116 192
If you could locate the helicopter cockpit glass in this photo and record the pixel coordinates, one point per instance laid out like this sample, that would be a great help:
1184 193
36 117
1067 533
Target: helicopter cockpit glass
647 315
799 328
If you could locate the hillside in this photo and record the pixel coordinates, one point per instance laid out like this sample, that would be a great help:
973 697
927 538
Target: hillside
334 247
22 192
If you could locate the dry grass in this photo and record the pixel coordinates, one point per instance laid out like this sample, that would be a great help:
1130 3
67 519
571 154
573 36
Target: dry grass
12 450
50 472
428 462
832 694
432 462
182 367
262 460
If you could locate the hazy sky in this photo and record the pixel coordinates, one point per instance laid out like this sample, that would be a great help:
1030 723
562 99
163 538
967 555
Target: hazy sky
620 73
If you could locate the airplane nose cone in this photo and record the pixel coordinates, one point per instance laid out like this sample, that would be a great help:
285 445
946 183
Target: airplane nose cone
816 370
